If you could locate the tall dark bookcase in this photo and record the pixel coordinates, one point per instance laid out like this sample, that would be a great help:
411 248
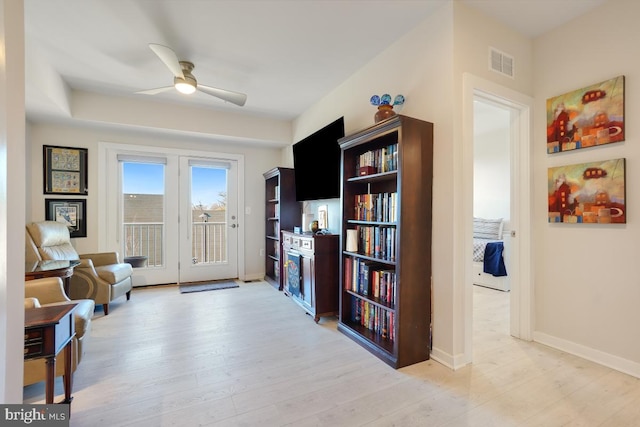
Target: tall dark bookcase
385 282
282 212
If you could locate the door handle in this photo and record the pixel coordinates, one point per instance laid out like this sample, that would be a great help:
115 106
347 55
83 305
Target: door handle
233 226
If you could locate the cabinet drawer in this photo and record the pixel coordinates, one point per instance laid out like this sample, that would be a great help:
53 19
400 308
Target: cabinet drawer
33 349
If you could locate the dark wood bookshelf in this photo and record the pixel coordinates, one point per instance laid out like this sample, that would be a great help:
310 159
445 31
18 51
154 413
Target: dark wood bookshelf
397 332
282 212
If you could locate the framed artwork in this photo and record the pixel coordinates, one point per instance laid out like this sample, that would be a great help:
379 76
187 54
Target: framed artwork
70 212
323 217
65 170
586 117
590 193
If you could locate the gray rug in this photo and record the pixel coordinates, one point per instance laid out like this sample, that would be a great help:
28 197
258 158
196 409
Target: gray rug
208 286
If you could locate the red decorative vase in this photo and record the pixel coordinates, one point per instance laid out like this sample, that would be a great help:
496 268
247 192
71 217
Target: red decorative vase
384 112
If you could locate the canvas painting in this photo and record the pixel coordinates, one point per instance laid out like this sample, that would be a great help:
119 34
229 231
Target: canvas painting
588 193
587 117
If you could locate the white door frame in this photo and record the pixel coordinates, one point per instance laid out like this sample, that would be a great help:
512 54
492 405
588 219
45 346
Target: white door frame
521 295
108 231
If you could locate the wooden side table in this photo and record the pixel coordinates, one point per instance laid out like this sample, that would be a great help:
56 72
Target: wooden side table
48 330
51 268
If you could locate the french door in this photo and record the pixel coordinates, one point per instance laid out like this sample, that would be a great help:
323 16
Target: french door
208 219
179 213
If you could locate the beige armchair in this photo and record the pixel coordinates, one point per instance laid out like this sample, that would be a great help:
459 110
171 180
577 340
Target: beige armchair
50 291
100 276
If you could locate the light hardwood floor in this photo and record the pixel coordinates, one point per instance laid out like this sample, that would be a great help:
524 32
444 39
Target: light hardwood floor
250 357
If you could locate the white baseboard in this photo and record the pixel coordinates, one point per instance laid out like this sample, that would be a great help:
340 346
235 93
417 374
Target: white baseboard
609 360
448 360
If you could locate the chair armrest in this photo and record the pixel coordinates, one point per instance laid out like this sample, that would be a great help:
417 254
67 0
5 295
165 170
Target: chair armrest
102 258
31 303
46 290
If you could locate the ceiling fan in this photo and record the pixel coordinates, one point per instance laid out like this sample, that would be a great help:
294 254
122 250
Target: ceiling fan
185 82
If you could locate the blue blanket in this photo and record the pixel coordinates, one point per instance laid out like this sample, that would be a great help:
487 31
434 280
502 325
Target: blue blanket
493 260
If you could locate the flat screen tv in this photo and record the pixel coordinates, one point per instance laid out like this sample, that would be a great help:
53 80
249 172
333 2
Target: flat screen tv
316 163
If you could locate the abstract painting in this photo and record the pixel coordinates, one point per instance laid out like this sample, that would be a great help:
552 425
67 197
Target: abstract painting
587 117
592 193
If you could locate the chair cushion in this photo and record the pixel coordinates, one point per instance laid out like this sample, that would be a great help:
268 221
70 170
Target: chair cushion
114 273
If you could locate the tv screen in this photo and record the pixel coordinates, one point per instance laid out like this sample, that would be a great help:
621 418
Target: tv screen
316 163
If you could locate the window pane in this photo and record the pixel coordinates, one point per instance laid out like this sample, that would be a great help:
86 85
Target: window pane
143 211
209 214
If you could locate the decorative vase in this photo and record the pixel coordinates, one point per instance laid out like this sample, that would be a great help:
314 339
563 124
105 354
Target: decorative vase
384 112
314 226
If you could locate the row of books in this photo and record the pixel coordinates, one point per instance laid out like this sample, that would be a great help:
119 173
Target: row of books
377 242
380 207
375 318
371 279
377 161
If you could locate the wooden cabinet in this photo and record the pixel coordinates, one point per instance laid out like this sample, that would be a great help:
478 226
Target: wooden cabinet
282 212
311 272
385 263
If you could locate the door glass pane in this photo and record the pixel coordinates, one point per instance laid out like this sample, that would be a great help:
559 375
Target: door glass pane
209 214
143 191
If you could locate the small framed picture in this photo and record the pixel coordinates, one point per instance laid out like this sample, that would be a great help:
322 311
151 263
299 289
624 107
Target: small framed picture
323 217
65 170
70 212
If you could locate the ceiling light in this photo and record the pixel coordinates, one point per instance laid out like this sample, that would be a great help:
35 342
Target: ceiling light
186 85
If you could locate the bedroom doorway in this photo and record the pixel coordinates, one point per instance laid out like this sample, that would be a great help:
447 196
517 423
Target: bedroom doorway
491 202
519 108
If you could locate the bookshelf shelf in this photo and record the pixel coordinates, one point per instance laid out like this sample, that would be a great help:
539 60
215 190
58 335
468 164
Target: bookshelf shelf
385 298
282 212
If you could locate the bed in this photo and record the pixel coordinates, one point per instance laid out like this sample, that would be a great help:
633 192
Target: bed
489 267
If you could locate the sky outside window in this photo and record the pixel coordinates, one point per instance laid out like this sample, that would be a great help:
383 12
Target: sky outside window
148 178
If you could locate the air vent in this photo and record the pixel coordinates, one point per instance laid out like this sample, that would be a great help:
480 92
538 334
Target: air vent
500 62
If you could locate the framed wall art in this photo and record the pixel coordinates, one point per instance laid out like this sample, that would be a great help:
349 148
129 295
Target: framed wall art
592 193
586 117
323 217
65 170
70 212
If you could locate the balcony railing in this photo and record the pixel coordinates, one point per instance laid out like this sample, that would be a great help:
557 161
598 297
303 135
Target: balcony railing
208 243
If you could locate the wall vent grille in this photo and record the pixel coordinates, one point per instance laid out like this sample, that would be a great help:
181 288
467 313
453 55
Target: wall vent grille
500 62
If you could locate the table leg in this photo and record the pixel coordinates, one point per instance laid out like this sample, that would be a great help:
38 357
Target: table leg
68 375
49 381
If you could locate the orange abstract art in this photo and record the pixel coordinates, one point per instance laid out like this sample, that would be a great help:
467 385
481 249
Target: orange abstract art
587 117
588 193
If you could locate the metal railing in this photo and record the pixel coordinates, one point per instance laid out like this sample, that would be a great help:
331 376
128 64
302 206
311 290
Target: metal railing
208 243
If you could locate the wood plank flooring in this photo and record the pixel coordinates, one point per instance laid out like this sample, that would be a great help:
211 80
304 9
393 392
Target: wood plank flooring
251 357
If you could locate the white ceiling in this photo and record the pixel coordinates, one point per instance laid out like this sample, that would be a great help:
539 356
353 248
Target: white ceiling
285 55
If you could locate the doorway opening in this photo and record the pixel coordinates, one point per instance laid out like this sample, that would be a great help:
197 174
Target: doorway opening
519 108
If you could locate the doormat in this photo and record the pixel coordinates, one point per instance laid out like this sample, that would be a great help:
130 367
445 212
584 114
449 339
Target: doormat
206 286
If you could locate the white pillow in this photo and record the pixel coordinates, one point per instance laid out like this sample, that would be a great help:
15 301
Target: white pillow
484 228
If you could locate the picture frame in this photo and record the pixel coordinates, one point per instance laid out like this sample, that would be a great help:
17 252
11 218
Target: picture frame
323 217
588 193
65 170
70 212
587 117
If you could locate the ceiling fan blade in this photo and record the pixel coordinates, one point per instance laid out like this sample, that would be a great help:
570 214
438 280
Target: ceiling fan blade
156 90
226 95
169 57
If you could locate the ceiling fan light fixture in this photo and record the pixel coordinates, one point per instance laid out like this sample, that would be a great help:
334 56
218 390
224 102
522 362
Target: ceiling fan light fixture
186 85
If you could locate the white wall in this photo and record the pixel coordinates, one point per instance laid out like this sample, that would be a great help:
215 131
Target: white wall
257 161
587 287
491 162
12 199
